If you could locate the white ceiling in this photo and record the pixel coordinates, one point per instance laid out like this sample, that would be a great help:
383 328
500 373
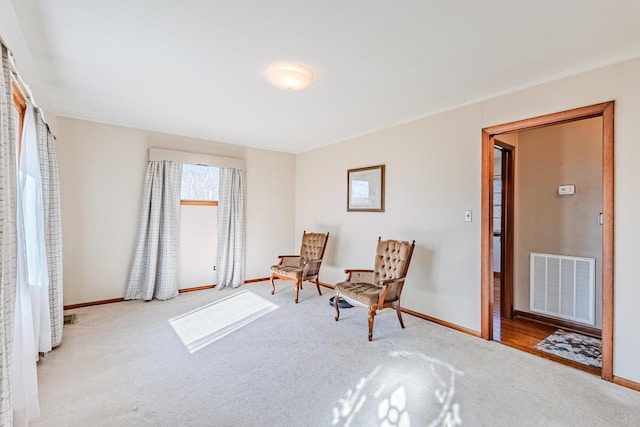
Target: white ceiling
196 68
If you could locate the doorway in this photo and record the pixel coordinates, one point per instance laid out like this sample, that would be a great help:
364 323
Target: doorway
490 142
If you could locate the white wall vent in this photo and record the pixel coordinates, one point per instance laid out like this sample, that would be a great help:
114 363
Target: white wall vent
563 286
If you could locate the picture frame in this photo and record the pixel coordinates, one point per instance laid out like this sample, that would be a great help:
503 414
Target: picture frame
365 189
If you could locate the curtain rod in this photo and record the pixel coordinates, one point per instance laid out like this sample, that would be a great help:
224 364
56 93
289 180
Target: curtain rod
21 85
24 89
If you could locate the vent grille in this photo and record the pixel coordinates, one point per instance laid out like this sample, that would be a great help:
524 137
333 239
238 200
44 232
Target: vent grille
563 286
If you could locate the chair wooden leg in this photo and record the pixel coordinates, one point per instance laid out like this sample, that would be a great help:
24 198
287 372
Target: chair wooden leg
318 286
372 314
298 286
399 314
336 301
273 287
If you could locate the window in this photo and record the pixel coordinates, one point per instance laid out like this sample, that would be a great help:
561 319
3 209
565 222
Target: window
199 185
497 204
497 191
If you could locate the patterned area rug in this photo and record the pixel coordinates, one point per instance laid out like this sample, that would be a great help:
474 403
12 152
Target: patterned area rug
573 346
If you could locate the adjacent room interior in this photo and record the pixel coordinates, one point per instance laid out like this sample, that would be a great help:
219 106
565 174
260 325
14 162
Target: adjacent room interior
538 293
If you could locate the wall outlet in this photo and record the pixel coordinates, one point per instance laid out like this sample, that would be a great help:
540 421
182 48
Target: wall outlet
214 268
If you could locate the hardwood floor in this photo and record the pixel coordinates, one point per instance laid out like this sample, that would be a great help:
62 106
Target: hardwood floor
524 334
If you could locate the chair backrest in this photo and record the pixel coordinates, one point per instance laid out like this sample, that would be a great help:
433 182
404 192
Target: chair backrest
392 259
313 246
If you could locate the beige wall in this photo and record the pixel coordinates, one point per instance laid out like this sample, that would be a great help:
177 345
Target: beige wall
546 222
433 175
102 169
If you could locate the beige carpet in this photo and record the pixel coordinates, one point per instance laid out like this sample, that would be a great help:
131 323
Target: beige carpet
124 365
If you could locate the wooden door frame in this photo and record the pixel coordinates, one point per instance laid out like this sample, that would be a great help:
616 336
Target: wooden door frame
506 228
606 111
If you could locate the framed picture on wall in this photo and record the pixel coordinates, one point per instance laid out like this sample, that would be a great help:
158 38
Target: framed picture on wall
365 189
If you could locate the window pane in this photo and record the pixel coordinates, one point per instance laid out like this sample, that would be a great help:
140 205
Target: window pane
16 120
199 183
497 190
497 203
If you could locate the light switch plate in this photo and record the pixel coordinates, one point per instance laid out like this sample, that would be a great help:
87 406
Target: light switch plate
467 216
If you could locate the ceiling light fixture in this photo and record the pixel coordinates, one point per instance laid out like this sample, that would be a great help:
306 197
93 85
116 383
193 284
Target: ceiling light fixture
290 76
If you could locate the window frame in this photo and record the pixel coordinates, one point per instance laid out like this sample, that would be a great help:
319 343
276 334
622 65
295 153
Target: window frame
21 105
197 203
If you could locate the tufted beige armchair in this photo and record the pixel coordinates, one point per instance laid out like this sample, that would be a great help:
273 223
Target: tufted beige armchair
381 287
305 266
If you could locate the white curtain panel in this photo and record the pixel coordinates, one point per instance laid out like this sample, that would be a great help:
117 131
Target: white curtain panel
232 228
53 225
32 326
32 267
154 273
8 249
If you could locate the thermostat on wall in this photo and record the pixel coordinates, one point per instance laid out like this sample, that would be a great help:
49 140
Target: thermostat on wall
566 190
